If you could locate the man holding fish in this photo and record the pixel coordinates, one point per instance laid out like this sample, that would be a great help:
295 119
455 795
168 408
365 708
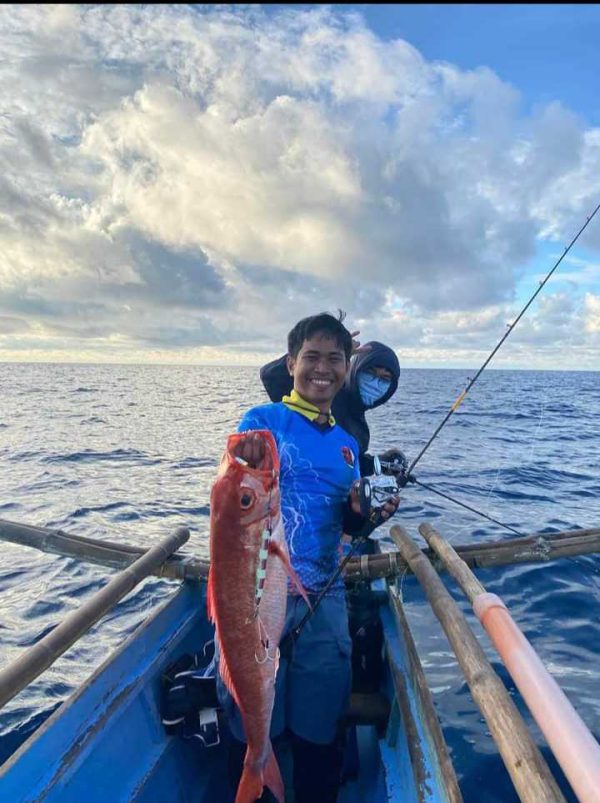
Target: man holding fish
285 490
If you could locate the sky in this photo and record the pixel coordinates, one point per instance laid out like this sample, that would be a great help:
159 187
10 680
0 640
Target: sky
181 184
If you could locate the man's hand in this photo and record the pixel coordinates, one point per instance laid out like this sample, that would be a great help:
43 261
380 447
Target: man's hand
251 449
381 514
390 507
356 347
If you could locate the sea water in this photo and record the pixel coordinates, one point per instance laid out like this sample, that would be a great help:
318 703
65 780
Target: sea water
128 453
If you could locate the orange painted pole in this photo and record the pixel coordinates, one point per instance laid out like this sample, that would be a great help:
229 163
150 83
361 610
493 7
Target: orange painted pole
576 750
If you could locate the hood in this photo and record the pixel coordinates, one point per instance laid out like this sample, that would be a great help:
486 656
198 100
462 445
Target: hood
380 356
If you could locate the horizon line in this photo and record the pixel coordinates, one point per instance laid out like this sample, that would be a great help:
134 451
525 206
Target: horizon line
259 365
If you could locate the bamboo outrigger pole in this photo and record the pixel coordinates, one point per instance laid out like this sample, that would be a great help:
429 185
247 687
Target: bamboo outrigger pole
538 548
32 663
528 770
576 750
111 554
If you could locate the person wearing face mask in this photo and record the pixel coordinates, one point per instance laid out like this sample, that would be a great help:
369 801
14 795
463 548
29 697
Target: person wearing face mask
373 384
371 381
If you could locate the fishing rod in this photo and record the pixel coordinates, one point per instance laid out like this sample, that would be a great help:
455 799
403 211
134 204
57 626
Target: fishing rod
406 475
290 637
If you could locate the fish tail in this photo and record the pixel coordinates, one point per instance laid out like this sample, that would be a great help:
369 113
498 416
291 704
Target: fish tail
272 776
253 781
251 786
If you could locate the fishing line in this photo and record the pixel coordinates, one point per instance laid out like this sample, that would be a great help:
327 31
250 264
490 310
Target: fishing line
516 392
468 507
539 425
575 559
400 583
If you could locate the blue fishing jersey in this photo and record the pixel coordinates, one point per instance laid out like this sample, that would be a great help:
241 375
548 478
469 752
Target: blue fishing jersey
318 467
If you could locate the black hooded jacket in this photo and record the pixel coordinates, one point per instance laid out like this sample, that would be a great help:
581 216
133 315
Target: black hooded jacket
347 406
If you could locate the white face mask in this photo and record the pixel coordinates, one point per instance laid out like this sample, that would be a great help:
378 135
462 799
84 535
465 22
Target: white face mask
372 388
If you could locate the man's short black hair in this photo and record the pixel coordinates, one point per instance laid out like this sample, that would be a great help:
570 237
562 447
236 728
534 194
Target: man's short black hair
325 324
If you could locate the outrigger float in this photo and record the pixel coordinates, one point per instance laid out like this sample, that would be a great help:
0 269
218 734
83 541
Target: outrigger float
108 741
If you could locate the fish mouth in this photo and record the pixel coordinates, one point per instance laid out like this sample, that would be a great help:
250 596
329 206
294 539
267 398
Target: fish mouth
267 463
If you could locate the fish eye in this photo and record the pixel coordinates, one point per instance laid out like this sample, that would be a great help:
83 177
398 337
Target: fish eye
246 500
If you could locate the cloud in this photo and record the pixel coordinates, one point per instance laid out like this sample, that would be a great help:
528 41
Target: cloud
9 325
592 313
181 177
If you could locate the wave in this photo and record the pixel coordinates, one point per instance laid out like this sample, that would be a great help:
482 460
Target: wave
117 455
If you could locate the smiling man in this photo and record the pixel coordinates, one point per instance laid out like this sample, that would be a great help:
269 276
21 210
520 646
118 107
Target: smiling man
319 466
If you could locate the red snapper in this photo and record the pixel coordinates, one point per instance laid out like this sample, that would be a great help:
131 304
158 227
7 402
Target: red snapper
247 595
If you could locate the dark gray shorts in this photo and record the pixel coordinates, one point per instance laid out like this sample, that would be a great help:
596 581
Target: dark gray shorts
312 688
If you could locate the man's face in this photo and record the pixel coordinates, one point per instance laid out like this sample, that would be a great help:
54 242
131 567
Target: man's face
319 370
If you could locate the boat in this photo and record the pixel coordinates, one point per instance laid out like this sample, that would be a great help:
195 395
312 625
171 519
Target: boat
114 739
107 742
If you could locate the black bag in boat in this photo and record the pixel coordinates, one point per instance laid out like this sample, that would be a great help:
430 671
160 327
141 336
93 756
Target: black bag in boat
189 697
366 632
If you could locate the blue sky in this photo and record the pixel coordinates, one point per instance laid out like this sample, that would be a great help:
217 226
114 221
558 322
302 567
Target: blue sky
182 183
549 51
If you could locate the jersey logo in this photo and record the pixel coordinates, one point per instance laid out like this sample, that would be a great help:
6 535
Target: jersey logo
348 456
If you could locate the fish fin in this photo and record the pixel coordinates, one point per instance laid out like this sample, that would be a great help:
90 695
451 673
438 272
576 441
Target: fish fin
250 787
210 597
252 782
275 549
272 777
226 678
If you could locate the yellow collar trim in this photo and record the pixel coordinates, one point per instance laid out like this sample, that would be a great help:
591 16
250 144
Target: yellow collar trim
295 402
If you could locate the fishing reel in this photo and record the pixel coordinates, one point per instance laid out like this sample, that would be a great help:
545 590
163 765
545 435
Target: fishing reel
380 487
397 466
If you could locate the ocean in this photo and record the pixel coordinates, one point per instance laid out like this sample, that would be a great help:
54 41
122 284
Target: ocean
128 453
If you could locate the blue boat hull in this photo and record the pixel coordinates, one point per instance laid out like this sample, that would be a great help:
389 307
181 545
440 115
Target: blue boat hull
107 743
